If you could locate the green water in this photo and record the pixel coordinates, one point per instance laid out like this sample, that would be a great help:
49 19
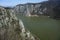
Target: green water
45 28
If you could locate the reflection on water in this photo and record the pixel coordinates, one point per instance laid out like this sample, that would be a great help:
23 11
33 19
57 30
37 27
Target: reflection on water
43 27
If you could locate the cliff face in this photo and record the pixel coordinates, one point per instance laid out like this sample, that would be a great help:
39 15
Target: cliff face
12 28
44 8
31 9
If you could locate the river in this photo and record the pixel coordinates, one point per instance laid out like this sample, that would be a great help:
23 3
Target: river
45 28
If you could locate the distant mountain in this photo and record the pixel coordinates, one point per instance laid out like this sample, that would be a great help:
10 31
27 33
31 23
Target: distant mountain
46 8
42 8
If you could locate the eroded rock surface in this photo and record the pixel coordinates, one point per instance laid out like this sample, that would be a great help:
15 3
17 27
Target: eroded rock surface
49 8
12 28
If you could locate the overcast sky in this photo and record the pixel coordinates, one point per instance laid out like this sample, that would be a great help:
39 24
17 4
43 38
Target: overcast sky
15 2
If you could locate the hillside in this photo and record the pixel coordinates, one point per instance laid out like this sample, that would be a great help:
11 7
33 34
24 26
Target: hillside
46 8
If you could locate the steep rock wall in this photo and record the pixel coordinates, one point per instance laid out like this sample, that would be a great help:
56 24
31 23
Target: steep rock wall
31 9
12 28
46 8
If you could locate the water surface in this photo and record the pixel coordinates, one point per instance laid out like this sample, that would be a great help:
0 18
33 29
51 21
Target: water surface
45 28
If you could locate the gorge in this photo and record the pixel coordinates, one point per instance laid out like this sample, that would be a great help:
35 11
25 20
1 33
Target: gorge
12 27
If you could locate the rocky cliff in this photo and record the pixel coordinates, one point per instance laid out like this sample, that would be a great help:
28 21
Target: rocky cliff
46 8
31 9
12 28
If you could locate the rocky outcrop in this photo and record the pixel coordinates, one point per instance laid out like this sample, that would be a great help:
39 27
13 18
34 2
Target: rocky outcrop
46 8
32 8
12 28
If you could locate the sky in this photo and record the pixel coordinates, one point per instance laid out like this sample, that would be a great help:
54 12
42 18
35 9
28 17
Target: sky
15 2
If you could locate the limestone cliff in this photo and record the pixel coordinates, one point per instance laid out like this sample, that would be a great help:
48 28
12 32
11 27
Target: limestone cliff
46 8
32 8
12 28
